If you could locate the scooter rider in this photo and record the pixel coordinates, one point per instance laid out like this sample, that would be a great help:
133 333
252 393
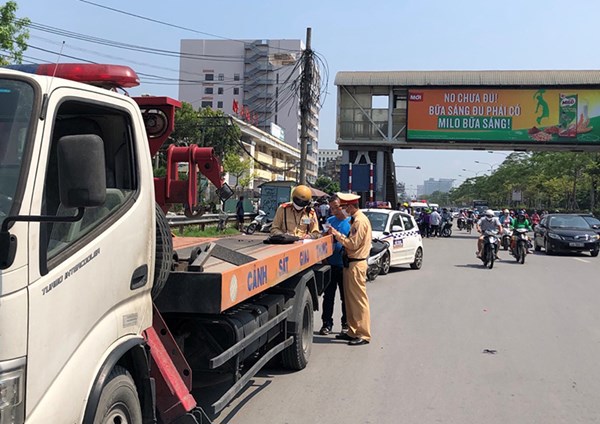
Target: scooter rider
488 222
520 222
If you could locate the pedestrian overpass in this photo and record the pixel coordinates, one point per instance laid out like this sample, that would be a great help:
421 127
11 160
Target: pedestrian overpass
378 112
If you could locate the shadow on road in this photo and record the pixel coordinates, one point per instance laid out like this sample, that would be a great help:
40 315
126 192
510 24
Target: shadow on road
470 266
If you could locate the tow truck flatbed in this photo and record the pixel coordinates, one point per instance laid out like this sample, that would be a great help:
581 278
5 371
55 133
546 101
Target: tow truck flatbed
236 269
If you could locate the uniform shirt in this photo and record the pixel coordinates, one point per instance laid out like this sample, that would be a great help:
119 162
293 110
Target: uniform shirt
486 225
343 226
298 223
358 241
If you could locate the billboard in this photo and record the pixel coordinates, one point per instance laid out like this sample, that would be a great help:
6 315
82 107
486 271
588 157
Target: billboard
532 116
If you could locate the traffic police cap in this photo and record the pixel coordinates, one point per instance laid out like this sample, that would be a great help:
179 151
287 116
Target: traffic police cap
348 198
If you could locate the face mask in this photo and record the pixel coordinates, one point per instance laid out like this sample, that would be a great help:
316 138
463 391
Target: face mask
345 212
298 208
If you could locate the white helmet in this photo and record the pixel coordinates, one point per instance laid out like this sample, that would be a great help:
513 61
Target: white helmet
489 214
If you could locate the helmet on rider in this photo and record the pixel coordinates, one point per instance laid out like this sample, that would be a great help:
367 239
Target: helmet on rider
489 214
505 212
521 216
301 196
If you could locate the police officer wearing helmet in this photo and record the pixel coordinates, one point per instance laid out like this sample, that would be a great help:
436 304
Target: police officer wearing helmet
297 217
488 222
357 246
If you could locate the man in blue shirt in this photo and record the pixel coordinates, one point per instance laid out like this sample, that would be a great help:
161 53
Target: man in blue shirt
341 223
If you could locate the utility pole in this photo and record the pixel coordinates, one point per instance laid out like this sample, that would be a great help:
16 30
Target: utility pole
305 103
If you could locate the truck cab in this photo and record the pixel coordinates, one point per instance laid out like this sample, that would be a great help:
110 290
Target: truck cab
60 323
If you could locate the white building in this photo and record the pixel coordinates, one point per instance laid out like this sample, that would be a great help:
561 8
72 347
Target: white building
325 155
429 186
250 79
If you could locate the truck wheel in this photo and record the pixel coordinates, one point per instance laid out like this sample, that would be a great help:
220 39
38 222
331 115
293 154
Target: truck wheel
164 252
119 402
296 356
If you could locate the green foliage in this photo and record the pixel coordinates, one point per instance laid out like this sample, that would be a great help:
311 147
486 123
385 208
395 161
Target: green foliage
547 180
205 128
239 168
193 231
327 185
13 34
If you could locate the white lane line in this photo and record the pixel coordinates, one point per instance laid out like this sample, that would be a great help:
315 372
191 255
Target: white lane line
582 260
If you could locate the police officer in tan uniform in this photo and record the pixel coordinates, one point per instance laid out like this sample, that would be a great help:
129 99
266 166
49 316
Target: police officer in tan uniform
357 245
297 217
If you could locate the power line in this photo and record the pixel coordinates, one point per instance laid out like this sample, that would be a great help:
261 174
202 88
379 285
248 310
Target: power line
170 24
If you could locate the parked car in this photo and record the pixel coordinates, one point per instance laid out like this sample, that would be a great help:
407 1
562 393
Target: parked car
400 230
593 221
565 232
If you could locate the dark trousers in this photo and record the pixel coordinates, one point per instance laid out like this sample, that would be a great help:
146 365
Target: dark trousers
329 297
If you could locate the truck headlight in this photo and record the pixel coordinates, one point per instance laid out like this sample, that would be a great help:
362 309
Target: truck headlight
554 236
12 407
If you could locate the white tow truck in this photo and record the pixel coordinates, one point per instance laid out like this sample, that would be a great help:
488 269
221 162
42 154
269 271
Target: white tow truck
100 320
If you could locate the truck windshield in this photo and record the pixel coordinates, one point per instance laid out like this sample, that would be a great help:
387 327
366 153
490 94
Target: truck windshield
16 105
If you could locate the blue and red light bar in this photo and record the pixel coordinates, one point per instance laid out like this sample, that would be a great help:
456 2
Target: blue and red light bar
89 73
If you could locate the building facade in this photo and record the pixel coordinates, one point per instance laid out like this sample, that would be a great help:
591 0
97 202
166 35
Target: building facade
275 160
429 186
252 80
325 155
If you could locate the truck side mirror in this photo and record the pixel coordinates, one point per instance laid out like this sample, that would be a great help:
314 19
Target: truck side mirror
81 184
82 171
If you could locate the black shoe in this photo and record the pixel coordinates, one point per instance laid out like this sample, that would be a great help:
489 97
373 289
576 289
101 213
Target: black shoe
324 331
344 336
345 328
358 341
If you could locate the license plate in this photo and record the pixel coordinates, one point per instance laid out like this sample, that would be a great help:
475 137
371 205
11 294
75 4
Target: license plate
575 244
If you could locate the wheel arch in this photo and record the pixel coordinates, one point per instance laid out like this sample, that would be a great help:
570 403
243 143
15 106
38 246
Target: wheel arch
133 355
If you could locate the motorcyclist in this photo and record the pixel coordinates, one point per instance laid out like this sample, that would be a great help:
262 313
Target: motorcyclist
505 218
488 222
520 221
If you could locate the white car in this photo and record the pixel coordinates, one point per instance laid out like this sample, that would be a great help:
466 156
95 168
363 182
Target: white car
400 230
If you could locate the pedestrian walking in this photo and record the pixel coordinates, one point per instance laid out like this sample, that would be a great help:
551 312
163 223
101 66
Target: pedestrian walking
239 213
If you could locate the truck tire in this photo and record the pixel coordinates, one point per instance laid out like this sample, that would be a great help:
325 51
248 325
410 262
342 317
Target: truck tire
164 252
296 356
119 401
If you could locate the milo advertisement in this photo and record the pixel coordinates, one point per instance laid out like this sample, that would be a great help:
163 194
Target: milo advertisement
561 116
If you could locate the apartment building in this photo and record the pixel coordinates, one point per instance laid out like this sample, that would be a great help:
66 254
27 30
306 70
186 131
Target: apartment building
251 79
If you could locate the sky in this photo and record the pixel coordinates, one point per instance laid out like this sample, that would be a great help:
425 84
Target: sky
393 35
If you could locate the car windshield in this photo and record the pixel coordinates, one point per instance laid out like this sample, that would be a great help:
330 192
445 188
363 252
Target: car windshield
16 105
592 220
568 222
378 220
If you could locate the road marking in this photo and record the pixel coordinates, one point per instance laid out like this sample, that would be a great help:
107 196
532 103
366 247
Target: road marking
582 260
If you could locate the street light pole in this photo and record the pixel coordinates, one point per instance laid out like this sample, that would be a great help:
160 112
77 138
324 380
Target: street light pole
488 164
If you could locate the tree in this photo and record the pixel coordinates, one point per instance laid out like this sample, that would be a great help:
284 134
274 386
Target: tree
205 128
238 167
327 185
13 34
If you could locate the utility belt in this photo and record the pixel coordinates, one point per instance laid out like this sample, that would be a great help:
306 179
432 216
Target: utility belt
346 260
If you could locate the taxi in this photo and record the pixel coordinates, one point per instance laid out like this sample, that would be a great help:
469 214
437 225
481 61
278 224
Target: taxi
400 230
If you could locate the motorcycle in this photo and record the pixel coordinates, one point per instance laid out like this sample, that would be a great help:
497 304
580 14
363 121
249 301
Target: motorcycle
446 230
519 250
260 222
469 225
506 237
377 256
460 223
490 248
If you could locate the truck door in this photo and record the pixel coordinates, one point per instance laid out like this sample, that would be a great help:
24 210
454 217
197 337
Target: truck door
90 279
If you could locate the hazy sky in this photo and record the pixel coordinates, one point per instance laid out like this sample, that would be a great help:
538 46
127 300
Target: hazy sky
350 35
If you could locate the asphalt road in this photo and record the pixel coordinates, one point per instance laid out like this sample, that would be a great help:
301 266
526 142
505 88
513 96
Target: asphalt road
453 343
